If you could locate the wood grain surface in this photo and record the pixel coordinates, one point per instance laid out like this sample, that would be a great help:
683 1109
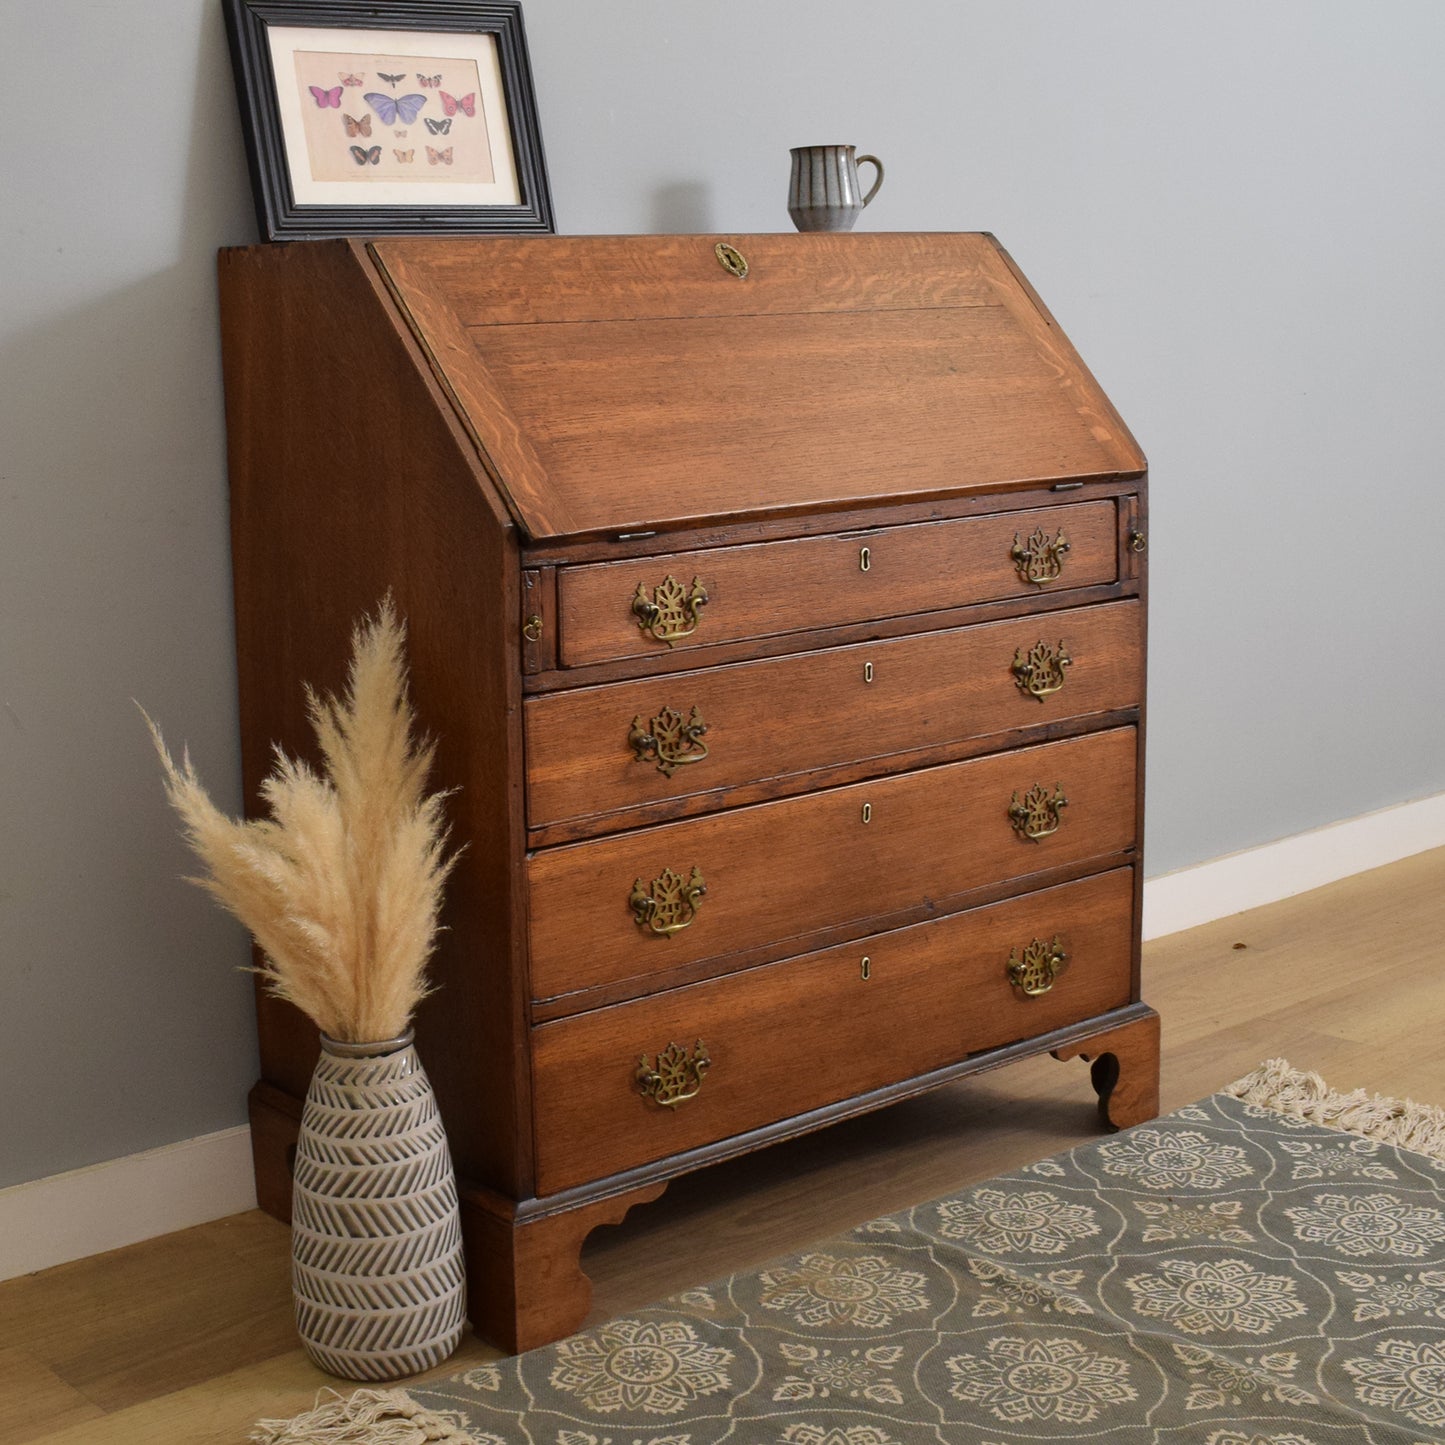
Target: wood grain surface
779 587
789 1037
767 720
779 871
616 383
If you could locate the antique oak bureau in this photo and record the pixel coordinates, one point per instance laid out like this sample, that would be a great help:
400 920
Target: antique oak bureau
777 604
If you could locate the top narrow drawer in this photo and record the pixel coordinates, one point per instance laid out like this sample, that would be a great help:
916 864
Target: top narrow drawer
653 605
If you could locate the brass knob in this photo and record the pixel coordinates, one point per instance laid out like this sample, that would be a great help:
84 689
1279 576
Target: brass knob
672 612
668 904
675 1077
1034 971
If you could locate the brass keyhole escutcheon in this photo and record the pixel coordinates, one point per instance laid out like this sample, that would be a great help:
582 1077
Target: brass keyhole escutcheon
867 672
732 260
865 558
867 812
865 971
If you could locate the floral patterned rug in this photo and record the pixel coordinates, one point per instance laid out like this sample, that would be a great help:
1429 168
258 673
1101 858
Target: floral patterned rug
1266 1267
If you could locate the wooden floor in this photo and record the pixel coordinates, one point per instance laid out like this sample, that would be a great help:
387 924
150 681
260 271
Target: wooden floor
188 1338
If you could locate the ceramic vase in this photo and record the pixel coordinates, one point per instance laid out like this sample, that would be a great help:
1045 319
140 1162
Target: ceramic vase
376 1246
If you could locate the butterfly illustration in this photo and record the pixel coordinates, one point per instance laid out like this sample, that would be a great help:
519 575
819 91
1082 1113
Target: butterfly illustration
357 127
364 157
438 127
467 104
324 98
403 156
347 79
430 82
436 157
408 107
392 79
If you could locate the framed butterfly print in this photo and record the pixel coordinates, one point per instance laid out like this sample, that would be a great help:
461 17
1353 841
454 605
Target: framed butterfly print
411 117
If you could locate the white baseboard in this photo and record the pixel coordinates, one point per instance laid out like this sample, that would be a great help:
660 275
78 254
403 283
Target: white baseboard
1229 885
88 1211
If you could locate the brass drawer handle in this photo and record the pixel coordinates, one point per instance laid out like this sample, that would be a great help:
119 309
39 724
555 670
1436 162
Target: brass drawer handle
1036 814
672 612
1034 971
1039 672
675 1077
668 904
669 739
1038 560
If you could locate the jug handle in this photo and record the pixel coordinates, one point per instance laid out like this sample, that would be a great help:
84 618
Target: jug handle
878 180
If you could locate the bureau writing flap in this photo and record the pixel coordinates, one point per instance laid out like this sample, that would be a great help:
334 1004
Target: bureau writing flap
636 382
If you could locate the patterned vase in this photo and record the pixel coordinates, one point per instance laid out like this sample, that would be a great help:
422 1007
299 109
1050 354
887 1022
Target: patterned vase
376 1245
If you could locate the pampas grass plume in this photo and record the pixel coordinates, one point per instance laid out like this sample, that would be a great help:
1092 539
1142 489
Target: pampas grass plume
342 884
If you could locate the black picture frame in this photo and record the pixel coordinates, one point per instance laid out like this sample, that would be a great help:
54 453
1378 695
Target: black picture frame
282 217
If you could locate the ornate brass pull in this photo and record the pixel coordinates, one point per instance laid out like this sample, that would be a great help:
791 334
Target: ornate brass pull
1036 815
1040 671
668 904
1137 541
1033 972
532 628
672 612
675 1077
1038 560
669 738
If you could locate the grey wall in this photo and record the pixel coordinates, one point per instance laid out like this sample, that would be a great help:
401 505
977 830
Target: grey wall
1234 209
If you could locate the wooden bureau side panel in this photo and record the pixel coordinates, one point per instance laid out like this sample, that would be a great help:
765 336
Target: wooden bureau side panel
351 478
794 714
779 587
779 871
794 1036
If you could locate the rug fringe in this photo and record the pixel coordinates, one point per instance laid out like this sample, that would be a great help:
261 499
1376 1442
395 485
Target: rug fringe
1277 1084
369 1417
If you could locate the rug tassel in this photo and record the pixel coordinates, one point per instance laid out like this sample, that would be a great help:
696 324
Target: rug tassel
369 1417
1278 1085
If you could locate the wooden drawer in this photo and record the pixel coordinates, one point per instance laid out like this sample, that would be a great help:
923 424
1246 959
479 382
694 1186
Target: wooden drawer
778 587
781 871
813 710
795 1036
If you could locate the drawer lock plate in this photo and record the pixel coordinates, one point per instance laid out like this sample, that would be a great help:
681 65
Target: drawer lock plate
1033 972
669 739
675 1077
668 904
